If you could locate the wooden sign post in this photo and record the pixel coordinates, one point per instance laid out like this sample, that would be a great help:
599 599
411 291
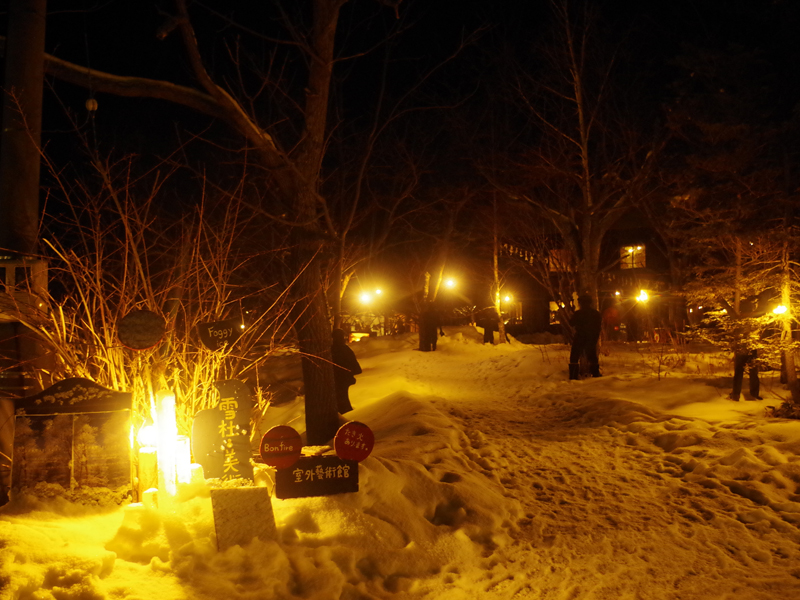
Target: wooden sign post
317 476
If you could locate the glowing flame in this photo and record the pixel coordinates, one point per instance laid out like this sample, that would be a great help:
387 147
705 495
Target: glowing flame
148 436
780 310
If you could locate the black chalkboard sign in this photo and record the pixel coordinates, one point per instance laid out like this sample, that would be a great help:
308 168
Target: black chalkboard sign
217 335
317 476
221 435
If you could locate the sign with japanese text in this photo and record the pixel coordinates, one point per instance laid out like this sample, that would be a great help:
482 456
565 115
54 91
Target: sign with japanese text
316 476
221 435
280 447
354 441
217 335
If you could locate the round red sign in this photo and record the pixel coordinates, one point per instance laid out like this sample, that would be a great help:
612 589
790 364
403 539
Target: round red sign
280 447
353 441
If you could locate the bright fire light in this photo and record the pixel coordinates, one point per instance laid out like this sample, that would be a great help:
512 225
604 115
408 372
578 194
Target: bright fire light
642 297
780 310
148 436
366 298
451 283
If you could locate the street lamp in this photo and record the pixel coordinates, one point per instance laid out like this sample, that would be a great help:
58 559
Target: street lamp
450 283
642 297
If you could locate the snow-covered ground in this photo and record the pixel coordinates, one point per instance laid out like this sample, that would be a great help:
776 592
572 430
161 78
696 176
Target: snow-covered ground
492 477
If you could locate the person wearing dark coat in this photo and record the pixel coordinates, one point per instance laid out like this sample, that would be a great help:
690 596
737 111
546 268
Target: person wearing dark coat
587 323
345 369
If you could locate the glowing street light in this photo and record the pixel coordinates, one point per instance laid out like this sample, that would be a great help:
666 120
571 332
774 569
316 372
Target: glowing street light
366 298
642 297
507 298
450 283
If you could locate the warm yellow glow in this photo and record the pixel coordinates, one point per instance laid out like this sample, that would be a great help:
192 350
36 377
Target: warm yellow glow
616 293
642 297
691 309
183 459
366 298
167 445
638 247
356 336
148 436
507 298
241 326
724 311
451 283
780 310
378 292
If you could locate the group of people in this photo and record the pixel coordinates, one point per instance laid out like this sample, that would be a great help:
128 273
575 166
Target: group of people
587 323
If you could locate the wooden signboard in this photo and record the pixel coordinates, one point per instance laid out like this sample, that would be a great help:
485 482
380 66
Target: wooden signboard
317 476
220 334
221 435
141 329
75 433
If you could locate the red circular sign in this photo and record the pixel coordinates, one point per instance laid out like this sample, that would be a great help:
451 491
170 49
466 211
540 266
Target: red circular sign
280 447
353 441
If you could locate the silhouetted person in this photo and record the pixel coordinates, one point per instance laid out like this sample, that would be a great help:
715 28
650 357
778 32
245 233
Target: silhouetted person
587 324
345 369
745 353
489 324
429 327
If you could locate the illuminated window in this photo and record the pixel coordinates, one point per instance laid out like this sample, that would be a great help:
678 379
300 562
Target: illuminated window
632 257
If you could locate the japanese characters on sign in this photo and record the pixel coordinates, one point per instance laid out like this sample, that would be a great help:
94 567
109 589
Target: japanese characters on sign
281 447
234 429
221 435
316 476
354 441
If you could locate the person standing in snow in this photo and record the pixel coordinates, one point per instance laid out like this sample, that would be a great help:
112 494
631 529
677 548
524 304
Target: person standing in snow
586 323
345 369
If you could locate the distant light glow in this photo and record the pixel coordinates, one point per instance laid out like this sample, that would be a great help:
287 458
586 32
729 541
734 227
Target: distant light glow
366 298
780 310
378 292
642 297
507 298
451 283
616 293
241 326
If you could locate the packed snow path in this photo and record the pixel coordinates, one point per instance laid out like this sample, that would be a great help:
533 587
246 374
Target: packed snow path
613 504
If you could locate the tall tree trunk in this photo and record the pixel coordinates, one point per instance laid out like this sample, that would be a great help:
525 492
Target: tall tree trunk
22 126
786 334
19 189
501 326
